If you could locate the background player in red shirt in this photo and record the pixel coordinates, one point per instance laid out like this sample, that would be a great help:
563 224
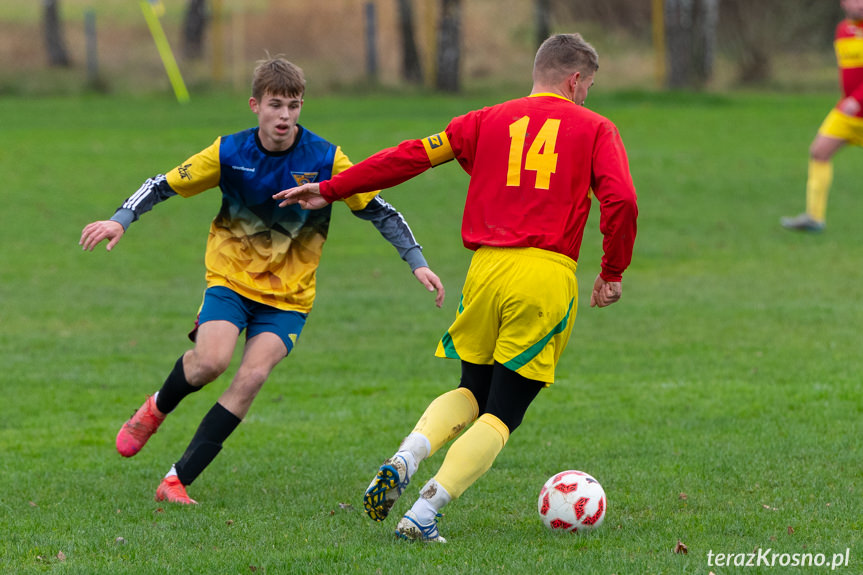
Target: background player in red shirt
843 125
533 162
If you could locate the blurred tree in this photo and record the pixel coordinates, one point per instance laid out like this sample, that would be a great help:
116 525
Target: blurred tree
690 29
412 71
55 43
630 15
194 28
751 33
704 44
543 20
754 33
678 41
449 46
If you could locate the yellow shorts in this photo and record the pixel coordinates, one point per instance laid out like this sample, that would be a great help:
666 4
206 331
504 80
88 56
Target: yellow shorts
516 308
843 127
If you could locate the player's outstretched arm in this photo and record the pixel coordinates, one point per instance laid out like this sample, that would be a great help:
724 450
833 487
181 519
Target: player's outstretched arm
605 293
432 283
308 196
95 232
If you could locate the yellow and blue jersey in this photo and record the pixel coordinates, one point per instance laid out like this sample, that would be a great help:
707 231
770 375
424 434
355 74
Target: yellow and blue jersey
255 248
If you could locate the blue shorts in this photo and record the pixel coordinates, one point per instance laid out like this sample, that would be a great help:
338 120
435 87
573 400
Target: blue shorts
221 303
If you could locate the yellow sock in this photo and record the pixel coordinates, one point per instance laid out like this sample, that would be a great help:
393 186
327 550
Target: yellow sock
472 454
817 188
447 416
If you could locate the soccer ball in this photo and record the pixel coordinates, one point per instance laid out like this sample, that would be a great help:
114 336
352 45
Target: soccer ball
572 501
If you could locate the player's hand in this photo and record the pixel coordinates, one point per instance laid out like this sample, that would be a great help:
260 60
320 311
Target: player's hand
94 233
432 283
849 106
605 293
308 196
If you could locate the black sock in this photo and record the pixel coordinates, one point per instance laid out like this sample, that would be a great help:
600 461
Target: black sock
215 428
174 389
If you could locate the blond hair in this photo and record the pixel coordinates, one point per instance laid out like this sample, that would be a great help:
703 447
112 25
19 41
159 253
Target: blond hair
561 55
278 77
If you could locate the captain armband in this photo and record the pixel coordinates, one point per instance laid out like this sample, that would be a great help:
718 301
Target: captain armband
438 149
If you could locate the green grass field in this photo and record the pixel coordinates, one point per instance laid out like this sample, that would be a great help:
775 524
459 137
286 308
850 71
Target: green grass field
719 403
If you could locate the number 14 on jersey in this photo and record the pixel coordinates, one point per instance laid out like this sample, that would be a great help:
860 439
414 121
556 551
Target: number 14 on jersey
541 157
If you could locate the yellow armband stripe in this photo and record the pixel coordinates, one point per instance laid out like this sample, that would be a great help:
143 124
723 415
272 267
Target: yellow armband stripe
849 52
438 149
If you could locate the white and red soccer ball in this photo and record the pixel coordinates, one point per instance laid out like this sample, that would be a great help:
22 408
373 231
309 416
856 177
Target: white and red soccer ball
572 501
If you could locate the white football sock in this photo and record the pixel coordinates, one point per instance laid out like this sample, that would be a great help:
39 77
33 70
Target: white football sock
410 460
432 498
418 444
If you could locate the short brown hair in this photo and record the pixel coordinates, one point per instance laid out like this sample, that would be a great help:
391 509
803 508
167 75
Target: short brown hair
564 54
278 77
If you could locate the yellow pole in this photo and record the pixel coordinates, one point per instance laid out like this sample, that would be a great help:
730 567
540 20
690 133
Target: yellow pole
165 52
659 41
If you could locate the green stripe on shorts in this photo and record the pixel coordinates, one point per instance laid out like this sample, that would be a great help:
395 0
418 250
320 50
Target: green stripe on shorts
446 340
527 355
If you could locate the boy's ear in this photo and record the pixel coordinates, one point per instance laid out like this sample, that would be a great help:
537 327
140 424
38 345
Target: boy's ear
253 105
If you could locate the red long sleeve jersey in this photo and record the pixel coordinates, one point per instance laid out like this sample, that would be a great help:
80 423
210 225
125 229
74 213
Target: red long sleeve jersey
532 163
849 56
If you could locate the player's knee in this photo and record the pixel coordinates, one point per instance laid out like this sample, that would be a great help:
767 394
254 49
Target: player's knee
204 369
822 151
511 423
510 419
510 397
509 409
818 154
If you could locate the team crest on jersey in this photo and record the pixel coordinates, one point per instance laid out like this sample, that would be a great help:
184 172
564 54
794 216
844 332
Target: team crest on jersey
185 173
304 177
